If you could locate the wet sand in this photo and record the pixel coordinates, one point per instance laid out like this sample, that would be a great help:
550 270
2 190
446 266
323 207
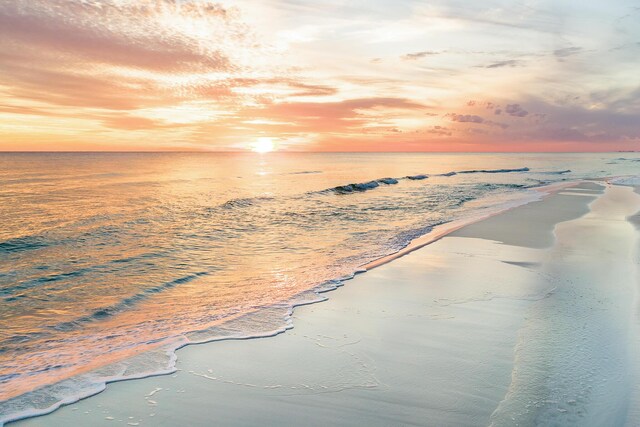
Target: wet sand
526 318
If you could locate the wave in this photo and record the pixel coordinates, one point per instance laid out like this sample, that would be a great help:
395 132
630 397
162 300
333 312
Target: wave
360 186
126 303
402 239
13 293
631 181
495 170
25 243
244 202
453 173
490 186
622 159
562 172
47 178
350 188
43 280
388 181
370 185
304 173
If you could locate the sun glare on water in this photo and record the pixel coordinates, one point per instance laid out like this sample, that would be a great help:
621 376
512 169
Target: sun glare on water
263 145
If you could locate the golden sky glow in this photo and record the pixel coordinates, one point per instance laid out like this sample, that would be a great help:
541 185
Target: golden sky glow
324 76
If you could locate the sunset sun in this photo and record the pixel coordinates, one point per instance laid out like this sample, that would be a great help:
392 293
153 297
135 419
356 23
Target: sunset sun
263 145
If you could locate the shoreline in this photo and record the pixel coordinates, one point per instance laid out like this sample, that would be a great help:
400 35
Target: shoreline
435 235
443 230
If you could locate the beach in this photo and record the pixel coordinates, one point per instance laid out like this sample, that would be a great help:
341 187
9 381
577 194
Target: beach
287 212
528 317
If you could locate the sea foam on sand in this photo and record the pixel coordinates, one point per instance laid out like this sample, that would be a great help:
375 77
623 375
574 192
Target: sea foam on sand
526 318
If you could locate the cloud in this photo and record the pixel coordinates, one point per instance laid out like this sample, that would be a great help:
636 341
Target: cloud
496 124
621 100
118 55
418 55
472 118
566 51
488 105
120 34
290 86
131 123
506 16
18 109
332 116
440 130
515 110
70 88
576 123
510 63
465 118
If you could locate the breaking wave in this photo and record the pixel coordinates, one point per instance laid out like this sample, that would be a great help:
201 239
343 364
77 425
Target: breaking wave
370 185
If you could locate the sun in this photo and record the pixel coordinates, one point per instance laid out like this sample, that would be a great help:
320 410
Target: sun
263 145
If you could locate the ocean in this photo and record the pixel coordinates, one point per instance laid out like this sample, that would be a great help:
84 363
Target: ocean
109 262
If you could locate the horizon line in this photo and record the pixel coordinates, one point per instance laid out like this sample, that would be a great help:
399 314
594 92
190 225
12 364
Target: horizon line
294 152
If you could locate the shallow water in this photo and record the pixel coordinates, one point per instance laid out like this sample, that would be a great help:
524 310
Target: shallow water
104 257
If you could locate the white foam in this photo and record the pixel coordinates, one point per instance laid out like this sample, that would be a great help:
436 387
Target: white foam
632 181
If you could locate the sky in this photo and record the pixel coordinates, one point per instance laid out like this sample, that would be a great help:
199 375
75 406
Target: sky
331 75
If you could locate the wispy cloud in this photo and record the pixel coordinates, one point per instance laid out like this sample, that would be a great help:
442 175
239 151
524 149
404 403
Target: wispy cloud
418 55
510 63
567 51
153 35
